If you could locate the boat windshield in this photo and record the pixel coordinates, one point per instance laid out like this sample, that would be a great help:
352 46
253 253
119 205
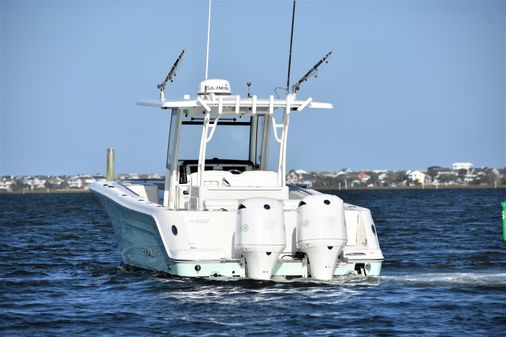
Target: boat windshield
230 140
237 139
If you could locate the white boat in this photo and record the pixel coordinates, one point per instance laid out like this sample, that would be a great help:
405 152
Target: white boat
221 212
234 217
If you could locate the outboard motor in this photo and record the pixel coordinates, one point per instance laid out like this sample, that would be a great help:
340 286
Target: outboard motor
321 233
260 235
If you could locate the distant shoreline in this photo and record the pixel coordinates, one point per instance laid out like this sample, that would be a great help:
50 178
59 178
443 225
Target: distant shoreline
332 188
428 187
60 191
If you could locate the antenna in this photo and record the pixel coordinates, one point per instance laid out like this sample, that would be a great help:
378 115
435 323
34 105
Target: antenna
290 52
310 73
208 36
170 76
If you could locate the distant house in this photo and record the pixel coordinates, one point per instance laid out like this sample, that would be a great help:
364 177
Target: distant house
75 182
292 177
416 176
382 176
355 182
363 177
80 181
300 177
329 174
383 179
446 178
6 184
33 183
87 181
55 182
428 179
462 166
470 178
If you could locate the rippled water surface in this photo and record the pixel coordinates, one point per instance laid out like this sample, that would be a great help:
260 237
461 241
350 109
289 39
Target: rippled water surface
444 274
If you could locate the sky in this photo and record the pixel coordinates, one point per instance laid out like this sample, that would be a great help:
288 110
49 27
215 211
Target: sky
413 83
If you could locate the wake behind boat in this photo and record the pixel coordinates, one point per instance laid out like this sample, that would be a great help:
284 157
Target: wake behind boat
220 211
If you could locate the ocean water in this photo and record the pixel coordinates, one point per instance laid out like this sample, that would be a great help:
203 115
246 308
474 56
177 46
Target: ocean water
444 275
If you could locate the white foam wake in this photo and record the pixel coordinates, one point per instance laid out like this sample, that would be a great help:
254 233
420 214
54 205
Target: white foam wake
467 279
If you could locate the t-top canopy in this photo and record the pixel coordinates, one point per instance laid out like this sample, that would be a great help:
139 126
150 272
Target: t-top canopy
230 105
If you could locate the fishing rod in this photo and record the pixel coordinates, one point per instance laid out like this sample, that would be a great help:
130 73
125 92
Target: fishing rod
290 52
170 76
310 73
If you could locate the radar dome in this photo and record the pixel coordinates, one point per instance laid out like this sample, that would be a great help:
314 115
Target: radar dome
217 87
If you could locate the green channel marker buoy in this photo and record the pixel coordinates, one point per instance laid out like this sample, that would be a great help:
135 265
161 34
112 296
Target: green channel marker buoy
504 221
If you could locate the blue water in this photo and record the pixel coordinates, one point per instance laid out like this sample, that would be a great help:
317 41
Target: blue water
444 275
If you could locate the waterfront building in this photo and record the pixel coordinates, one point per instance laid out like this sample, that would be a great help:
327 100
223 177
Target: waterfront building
462 166
416 176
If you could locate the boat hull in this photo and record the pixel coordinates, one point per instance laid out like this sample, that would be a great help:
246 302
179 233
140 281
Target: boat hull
138 238
146 239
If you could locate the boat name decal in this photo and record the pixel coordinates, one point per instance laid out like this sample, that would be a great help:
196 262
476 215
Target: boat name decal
199 221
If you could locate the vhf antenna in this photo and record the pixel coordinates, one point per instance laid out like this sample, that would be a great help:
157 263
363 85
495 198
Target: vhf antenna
208 36
170 76
310 73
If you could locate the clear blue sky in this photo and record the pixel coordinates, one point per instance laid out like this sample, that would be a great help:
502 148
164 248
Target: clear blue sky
414 83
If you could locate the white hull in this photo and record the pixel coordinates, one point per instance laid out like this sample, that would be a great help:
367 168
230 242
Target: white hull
193 243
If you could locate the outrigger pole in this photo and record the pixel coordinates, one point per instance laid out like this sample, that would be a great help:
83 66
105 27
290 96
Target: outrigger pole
170 76
290 52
